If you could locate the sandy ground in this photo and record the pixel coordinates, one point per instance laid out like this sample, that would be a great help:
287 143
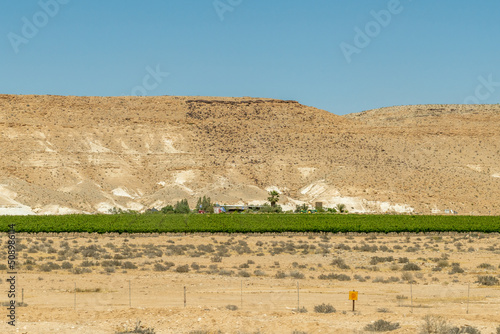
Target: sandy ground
112 298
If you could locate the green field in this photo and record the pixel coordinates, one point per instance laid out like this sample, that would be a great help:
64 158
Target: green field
249 223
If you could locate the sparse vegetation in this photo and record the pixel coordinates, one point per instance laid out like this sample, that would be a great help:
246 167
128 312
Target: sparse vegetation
139 330
381 326
487 280
324 308
411 267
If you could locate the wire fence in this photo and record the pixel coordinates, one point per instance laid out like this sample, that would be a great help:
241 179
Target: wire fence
267 295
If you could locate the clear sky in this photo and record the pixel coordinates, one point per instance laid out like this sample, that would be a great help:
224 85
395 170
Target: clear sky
341 56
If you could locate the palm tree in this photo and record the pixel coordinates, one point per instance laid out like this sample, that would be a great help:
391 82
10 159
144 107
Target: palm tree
341 208
274 197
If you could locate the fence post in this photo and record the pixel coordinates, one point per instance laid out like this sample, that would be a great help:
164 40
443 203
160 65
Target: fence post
184 296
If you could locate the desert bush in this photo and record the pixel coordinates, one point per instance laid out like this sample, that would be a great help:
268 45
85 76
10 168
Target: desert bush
182 269
259 273
67 265
232 307
195 266
442 263
33 249
340 263
403 260
206 248
332 276
411 267
383 310
438 325
280 274
455 269
87 263
434 325
498 329
377 259
78 271
244 266
139 330
45 268
324 308
359 278
485 266
160 267
298 332
216 258
243 273
385 249
128 265
464 330
407 276
297 274
111 263
3 267
391 279
487 280
342 246
225 272
381 326
367 248
49 266
394 267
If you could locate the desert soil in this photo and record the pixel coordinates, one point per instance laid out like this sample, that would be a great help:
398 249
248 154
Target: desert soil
258 275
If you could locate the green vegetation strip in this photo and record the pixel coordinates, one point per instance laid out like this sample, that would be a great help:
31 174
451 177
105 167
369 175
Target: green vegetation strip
249 223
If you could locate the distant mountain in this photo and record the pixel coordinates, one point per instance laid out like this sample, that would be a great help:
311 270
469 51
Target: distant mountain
90 154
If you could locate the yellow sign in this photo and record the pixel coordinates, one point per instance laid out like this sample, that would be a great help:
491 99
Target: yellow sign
353 295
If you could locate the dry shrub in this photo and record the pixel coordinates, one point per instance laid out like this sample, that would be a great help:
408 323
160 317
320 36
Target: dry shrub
182 269
434 325
487 280
438 325
411 267
381 326
324 308
139 330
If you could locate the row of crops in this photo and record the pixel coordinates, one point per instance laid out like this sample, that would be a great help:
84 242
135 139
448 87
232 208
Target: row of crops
249 223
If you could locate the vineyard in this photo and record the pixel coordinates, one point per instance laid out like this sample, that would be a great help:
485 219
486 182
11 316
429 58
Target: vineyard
249 223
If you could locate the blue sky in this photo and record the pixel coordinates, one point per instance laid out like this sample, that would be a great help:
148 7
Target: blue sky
341 56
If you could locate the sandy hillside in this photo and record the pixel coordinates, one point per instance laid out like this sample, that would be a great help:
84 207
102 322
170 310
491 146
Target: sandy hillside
90 154
247 284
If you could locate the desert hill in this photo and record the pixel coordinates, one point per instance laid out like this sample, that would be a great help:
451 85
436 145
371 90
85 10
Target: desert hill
89 154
